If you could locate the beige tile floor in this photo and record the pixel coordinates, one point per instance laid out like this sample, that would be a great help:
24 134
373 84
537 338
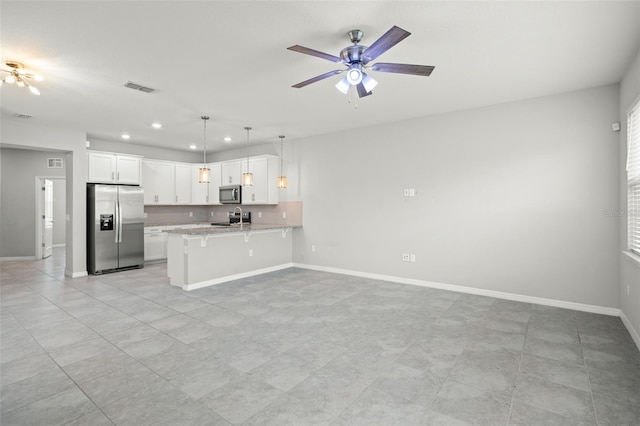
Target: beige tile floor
299 347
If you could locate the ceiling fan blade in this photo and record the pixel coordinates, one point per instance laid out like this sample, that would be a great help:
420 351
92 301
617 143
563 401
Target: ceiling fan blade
317 78
389 39
313 52
362 92
424 70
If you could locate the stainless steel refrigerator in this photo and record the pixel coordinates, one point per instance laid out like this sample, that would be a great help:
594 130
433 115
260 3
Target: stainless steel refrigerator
115 227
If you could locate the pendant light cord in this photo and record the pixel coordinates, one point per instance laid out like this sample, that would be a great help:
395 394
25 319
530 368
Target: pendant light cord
247 129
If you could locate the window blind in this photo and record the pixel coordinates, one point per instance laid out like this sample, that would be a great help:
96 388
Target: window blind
633 177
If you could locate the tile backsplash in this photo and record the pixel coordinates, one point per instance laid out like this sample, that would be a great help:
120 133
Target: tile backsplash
171 215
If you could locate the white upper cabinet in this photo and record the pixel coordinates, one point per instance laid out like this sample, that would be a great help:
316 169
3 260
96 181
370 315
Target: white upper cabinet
106 167
232 172
265 172
159 182
205 193
216 176
183 183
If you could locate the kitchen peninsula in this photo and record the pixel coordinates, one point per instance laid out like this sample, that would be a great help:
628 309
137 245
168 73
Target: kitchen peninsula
203 256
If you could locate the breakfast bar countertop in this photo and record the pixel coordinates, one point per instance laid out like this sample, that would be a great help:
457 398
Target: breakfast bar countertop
235 228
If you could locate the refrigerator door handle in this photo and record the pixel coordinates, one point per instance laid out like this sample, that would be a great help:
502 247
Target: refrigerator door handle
119 231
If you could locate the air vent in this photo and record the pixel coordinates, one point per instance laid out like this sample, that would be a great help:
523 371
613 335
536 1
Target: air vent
54 163
135 86
23 116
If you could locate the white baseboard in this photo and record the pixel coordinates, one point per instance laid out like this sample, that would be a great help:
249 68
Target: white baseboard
10 259
632 331
76 274
227 278
470 290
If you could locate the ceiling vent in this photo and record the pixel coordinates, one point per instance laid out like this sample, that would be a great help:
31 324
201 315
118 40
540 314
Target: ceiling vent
23 116
135 86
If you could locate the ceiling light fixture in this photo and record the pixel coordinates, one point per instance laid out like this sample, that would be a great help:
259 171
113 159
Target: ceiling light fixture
204 173
20 76
156 125
125 136
247 177
281 182
227 138
192 146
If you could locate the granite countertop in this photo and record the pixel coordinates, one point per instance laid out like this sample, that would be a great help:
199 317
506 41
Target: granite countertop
148 225
246 227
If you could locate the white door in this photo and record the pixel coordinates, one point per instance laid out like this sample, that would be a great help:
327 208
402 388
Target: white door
47 218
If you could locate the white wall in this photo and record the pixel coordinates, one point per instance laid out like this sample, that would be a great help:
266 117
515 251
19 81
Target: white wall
59 212
629 269
510 198
145 151
15 133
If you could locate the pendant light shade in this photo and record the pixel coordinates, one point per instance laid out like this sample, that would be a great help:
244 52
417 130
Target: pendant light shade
247 177
281 182
204 173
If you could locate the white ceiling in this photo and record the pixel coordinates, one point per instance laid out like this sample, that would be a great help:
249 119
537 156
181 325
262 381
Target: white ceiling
228 59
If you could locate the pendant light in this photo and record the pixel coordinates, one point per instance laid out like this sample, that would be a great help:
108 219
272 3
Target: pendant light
281 183
247 177
204 174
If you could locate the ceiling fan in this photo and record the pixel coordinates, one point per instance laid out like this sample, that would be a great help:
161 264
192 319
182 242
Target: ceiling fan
357 58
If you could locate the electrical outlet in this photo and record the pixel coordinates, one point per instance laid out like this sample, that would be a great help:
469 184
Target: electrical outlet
406 192
313 249
190 214
250 252
406 257
412 192
413 258
284 215
260 215
211 214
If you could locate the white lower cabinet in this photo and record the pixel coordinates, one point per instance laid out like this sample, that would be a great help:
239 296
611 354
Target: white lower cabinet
155 243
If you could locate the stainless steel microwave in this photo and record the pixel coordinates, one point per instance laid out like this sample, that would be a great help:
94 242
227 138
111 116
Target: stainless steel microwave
230 194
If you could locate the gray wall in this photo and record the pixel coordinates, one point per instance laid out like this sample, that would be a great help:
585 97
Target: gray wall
629 269
510 198
18 185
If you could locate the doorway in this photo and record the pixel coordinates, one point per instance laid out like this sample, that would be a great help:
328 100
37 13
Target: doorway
50 215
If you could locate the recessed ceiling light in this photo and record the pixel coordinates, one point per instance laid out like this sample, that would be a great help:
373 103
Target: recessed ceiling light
156 125
125 136
192 146
227 139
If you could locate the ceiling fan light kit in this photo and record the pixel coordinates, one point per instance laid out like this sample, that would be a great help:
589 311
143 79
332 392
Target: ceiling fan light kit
19 76
357 58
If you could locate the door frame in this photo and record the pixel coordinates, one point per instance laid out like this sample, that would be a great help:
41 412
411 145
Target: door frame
40 212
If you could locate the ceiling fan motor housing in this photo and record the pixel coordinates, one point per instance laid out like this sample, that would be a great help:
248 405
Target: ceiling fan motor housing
354 54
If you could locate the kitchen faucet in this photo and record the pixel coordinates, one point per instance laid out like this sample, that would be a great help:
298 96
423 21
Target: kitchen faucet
234 212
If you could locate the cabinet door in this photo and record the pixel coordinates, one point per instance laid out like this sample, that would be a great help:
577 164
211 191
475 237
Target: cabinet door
155 245
183 183
148 182
128 170
165 182
199 191
231 172
258 193
214 185
102 167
